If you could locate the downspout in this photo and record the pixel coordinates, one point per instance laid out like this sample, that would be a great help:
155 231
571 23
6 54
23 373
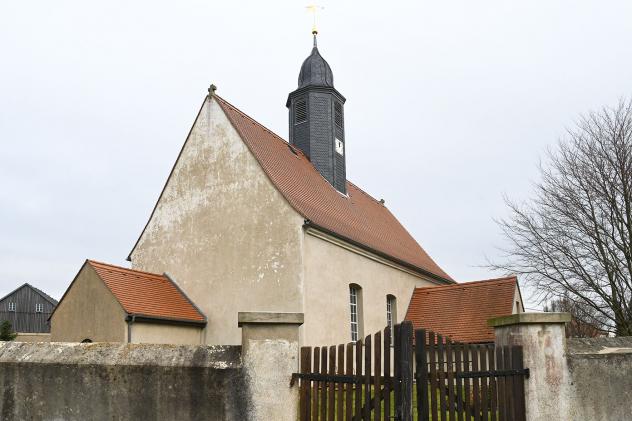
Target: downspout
130 319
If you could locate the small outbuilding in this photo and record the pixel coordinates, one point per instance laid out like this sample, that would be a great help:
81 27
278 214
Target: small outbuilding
107 303
27 309
461 311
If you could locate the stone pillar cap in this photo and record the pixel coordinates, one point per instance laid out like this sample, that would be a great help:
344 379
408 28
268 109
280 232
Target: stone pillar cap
269 317
529 318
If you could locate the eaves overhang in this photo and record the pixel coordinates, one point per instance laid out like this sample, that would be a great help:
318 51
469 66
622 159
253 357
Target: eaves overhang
144 318
308 224
305 89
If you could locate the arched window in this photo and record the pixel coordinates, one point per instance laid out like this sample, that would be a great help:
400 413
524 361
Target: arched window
87 341
355 306
391 311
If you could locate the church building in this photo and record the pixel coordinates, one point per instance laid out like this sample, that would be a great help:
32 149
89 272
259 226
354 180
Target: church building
248 221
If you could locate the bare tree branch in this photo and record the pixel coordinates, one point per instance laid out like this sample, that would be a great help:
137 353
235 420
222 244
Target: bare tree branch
572 242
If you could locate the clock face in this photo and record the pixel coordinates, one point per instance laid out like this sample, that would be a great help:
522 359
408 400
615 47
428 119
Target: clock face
340 147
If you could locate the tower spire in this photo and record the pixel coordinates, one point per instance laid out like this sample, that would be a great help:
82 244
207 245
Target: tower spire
316 117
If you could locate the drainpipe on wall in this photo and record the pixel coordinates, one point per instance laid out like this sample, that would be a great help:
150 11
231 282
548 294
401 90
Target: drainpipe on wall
130 319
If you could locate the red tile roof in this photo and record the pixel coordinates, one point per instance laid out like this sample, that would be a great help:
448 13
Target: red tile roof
461 311
358 217
147 294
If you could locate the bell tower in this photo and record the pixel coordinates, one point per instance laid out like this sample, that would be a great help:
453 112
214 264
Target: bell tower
316 111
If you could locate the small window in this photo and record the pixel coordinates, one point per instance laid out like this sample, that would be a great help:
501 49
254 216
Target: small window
391 311
39 308
338 114
87 341
300 111
355 303
11 306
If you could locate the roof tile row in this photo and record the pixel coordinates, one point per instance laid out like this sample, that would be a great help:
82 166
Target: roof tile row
461 311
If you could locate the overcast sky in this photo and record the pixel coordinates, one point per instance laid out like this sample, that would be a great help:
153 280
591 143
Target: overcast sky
450 104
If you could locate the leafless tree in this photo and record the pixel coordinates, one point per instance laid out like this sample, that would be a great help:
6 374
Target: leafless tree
574 238
579 327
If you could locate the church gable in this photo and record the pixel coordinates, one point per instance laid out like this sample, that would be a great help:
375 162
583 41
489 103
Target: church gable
214 171
222 229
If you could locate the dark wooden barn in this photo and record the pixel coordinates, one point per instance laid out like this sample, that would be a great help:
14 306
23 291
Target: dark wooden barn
28 309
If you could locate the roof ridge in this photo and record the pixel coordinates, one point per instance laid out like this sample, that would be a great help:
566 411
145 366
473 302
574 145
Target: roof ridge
45 295
501 279
120 268
39 291
471 284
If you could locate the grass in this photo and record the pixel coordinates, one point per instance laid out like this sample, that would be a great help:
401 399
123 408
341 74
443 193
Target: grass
392 405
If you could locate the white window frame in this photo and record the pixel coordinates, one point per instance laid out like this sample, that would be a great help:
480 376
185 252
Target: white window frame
12 306
355 312
391 313
39 308
353 308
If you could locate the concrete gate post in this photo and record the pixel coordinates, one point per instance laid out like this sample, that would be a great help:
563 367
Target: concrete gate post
543 340
270 354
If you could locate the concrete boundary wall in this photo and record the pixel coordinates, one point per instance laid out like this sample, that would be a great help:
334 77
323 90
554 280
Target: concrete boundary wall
107 381
601 378
154 382
574 379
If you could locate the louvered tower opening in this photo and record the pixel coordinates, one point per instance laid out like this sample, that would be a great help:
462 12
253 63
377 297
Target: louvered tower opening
338 115
300 111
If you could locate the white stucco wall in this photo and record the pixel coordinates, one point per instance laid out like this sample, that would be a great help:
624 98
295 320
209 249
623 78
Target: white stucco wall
223 231
329 269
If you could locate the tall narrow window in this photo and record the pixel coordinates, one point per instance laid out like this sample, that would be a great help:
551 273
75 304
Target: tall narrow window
355 305
39 308
11 306
391 311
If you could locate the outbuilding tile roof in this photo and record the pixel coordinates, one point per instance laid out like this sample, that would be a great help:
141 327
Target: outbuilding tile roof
147 294
357 216
461 311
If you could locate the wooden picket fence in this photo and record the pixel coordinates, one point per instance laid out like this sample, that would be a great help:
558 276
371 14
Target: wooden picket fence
337 382
467 382
430 378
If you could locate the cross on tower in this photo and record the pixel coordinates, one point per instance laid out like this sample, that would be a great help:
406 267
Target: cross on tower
313 9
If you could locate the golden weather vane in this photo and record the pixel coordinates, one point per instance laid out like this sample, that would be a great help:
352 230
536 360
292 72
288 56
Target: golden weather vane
313 9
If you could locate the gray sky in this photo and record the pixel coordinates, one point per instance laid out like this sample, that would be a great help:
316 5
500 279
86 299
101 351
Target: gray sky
449 106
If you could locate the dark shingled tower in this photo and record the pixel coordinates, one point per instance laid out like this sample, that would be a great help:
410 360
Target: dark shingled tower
317 119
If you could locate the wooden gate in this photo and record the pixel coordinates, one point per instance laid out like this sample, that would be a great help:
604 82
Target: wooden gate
372 379
355 381
462 382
